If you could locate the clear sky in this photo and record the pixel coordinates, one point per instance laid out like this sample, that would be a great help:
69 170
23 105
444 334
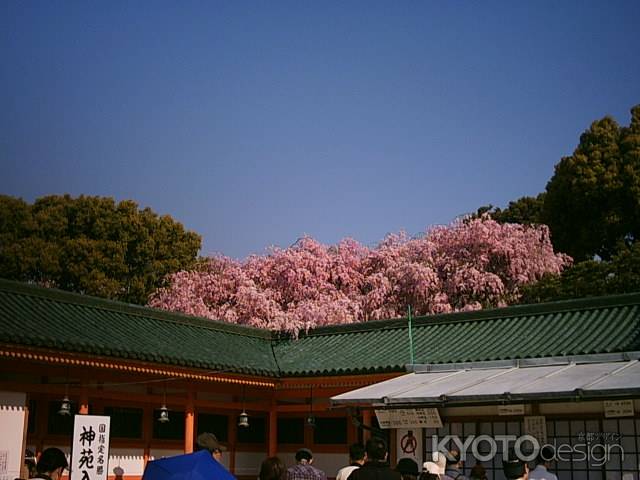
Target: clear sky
254 123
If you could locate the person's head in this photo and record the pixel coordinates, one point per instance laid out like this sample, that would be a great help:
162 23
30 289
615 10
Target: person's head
357 453
304 455
545 457
52 462
407 468
429 476
376 449
437 465
478 471
208 441
30 463
514 467
272 468
453 459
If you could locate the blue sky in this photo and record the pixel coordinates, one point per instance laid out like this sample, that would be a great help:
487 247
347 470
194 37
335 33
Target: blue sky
254 123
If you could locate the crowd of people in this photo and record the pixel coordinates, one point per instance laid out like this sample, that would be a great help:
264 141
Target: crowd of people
368 462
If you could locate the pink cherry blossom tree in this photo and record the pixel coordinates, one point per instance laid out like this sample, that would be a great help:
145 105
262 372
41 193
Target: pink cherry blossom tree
470 264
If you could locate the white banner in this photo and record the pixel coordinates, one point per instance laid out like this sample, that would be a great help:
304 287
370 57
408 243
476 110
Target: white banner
90 447
409 418
13 418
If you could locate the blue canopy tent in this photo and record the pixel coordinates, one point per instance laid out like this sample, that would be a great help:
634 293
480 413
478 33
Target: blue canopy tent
192 466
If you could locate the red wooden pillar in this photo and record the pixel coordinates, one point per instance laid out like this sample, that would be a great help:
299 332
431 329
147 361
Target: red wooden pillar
189 423
84 401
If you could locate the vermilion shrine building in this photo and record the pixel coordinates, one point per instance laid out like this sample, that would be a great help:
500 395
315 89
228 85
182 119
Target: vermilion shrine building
564 362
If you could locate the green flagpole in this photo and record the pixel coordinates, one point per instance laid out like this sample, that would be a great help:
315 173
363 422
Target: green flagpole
411 338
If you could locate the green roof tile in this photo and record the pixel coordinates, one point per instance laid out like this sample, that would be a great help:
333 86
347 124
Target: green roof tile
39 317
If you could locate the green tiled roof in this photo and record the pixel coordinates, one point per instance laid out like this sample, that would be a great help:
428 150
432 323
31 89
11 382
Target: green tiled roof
576 327
39 317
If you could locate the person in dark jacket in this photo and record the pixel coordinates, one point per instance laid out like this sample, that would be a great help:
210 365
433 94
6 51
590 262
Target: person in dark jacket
376 466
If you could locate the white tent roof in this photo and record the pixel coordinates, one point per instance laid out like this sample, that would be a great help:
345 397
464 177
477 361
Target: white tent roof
519 381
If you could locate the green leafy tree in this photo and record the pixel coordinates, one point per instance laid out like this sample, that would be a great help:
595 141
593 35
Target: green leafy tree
525 210
590 278
592 202
92 245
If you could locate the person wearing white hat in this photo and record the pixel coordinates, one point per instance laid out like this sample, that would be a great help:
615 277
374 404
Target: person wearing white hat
437 464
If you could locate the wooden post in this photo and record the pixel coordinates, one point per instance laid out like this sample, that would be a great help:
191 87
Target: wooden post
273 431
233 442
189 423
147 432
84 401
366 421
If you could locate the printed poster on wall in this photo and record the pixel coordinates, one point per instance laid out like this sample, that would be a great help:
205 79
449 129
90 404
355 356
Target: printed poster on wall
90 447
536 427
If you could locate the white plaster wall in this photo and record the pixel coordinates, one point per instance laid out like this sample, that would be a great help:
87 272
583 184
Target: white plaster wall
131 460
248 463
330 463
156 453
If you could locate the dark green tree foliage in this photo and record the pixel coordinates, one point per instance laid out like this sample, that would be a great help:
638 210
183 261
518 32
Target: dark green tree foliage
592 201
525 210
590 278
92 245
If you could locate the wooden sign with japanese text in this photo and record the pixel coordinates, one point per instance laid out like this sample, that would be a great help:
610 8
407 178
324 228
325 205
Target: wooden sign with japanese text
90 447
409 418
517 409
618 408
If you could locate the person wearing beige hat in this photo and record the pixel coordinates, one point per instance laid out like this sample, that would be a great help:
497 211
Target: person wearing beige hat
208 441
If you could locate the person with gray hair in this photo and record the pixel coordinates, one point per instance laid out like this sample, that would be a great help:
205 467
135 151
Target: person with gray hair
543 462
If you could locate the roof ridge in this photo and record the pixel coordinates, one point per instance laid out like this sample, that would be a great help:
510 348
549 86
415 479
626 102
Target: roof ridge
512 311
588 303
63 296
